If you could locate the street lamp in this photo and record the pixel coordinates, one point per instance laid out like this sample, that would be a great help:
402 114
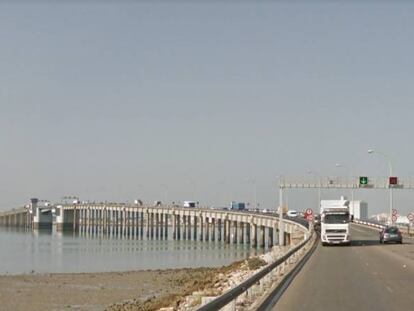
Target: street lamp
319 187
339 165
371 151
281 223
253 181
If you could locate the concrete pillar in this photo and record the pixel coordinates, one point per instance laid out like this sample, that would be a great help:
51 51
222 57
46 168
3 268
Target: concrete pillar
241 233
235 232
141 227
166 226
219 230
262 236
152 225
195 228
213 229
253 235
189 227
174 226
207 233
228 230
270 237
178 227
201 225
157 224
184 227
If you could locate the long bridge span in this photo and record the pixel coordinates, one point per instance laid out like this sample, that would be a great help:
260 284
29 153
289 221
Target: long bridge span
160 222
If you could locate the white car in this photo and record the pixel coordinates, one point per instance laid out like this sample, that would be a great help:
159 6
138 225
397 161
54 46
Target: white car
292 214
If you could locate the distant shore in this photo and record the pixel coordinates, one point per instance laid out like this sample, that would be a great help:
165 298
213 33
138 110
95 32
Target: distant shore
133 290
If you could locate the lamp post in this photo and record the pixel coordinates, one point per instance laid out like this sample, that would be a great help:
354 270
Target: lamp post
253 182
339 165
371 151
319 187
281 224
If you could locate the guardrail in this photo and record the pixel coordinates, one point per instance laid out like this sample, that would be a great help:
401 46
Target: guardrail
404 229
231 295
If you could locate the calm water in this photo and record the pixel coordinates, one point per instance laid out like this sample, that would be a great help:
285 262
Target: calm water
46 251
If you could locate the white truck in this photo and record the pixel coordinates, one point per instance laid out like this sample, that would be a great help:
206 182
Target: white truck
335 219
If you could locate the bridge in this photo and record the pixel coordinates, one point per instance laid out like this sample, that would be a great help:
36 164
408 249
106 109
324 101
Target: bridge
158 222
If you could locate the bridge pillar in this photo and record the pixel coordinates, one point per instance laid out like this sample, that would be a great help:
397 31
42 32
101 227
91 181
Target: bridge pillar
195 220
201 224
253 235
270 237
189 227
157 225
262 237
235 232
207 229
241 233
178 227
219 231
213 229
174 226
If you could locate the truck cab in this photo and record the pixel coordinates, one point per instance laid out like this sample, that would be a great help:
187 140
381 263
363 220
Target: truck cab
335 222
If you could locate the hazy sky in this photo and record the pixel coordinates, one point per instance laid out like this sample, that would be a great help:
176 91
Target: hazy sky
178 101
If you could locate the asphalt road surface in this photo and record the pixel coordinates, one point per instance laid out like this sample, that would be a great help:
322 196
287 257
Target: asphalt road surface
364 276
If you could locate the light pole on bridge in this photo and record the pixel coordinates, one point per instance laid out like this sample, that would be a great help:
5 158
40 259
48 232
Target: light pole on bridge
371 151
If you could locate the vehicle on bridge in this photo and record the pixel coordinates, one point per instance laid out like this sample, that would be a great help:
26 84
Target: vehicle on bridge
335 222
237 206
390 234
292 213
189 204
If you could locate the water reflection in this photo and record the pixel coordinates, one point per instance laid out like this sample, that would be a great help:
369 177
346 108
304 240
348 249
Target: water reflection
49 251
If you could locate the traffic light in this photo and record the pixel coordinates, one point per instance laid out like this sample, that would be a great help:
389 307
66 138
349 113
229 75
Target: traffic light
363 180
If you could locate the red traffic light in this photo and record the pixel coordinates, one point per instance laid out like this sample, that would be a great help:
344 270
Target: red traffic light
393 181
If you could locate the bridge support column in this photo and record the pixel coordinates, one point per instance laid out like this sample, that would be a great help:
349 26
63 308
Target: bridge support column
219 231
195 228
262 237
201 224
207 229
157 224
270 237
174 226
241 233
235 232
253 235
178 227
189 227
213 229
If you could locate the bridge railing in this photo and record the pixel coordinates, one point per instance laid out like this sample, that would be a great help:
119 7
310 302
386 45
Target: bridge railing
231 295
407 229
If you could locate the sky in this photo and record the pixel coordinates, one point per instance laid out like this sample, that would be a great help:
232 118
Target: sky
181 100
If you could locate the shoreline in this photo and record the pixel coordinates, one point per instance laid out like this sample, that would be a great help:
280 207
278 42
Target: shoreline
129 290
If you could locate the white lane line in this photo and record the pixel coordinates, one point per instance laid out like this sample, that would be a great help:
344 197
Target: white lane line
389 289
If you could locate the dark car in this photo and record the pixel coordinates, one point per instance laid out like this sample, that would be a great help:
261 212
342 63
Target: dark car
390 234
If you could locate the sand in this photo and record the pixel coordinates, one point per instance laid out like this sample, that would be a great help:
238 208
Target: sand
137 290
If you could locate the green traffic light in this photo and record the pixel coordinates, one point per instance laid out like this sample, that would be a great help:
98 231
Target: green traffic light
363 180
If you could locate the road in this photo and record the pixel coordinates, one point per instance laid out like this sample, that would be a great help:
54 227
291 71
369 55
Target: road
364 276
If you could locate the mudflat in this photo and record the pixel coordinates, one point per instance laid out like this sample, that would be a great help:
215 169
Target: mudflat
135 290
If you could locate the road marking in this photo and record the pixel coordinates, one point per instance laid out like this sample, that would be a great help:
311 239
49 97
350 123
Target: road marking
389 289
362 231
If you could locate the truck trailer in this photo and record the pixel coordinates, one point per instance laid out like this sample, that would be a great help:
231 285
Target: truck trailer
335 219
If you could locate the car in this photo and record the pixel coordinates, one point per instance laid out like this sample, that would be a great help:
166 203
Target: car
390 234
292 214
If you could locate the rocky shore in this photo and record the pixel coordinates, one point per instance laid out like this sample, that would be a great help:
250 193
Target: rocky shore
173 289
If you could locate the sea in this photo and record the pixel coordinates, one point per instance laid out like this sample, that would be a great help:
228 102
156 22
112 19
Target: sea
25 251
